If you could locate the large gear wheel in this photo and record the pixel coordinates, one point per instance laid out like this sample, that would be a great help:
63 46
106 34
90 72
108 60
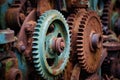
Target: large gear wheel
51 45
86 40
89 41
84 36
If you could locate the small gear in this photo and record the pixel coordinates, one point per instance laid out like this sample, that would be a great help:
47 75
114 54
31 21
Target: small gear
51 45
89 41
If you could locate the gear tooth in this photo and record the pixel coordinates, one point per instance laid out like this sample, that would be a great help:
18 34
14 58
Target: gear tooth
70 23
79 38
34 52
70 26
105 14
34 48
80 34
37 30
72 15
105 18
81 30
80 55
37 65
83 63
36 57
81 59
84 18
79 46
82 22
37 68
80 51
87 14
70 19
40 19
35 34
35 39
81 26
34 44
70 33
79 41
38 26
105 23
85 67
42 74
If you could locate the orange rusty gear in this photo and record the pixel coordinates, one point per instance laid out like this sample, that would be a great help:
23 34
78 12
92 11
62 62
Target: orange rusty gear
73 21
86 30
89 41
73 25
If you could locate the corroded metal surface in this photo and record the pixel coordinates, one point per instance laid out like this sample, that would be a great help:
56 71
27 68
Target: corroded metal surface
86 39
10 68
112 46
38 52
6 36
25 35
51 44
76 72
87 53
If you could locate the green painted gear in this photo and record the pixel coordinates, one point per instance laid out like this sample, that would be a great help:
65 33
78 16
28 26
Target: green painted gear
48 57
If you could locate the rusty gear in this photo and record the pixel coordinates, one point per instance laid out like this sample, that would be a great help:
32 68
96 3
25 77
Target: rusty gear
106 15
85 40
73 27
73 58
89 41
